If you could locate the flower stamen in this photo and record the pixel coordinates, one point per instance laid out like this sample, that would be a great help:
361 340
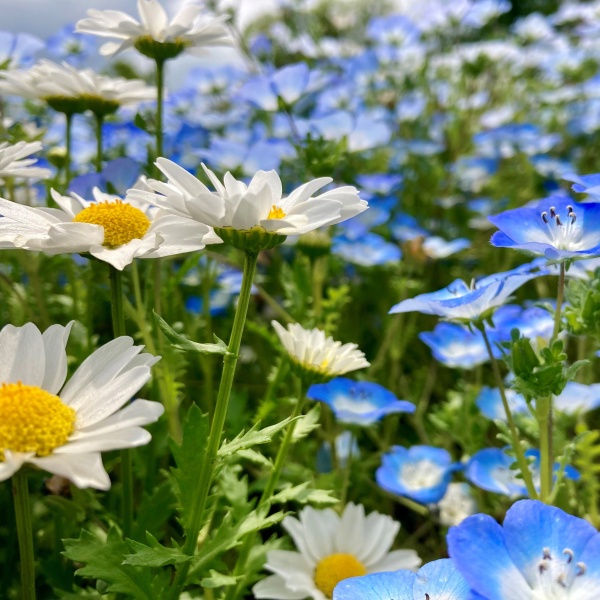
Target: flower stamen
335 568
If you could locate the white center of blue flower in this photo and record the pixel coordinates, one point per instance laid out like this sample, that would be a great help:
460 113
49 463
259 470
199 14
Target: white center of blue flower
556 574
421 474
561 229
353 404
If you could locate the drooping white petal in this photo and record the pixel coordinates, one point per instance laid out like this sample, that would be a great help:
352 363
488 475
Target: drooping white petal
55 340
84 470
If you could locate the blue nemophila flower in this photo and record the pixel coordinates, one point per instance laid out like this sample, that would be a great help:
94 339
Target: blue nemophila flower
346 448
437 580
507 140
489 402
540 553
457 346
578 398
585 184
557 228
368 250
421 473
437 247
18 49
358 402
489 469
460 301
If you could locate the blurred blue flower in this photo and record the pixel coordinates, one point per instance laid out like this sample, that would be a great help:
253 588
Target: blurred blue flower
489 469
585 184
18 49
437 247
539 552
556 228
489 402
578 398
358 402
421 473
533 322
117 177
392 29
72 47
457 346
369 250
507 140
382 184
473 172
437 580
460 301
346 447
405 228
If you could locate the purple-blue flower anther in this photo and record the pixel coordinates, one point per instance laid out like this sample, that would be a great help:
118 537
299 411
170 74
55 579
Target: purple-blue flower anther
460 301
457 346
540 552
421 473
557 228
358 402
437 580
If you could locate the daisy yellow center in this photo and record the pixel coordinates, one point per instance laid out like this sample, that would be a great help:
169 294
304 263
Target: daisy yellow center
121 221
335 568
33 420
276 213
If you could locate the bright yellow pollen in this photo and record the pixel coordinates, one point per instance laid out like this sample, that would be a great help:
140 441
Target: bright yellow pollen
335 568
121 221
32 420
276 213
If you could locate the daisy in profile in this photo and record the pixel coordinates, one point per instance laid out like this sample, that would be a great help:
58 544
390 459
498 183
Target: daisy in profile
332 548
14 161
63 427
113 230
317 357
154 35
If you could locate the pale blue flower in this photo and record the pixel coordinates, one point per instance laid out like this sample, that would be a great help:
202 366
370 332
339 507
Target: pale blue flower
457 346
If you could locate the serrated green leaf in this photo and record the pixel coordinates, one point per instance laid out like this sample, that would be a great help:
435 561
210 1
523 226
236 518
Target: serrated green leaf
217 579
103 559
154 510
303 495
307 423
182 343
154 554
255 457
252 437
188 460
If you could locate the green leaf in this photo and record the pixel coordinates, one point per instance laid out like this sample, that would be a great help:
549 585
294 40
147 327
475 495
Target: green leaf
188 458
303 495
103 559
252 437
154 554
255 457
217 579
307 423
154 510
182 343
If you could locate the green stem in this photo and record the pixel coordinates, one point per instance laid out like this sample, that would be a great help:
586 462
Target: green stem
270 486
99 123
543 410
160 92
559 301
318 277
118 321
514 433
218 422
346 470
68 141
24 533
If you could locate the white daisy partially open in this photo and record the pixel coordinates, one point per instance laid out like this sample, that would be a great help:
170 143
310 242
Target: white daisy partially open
111 229
316 355
258 204
332 548
14 161
62 428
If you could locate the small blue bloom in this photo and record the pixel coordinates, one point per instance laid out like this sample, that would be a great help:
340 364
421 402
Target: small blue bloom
380 183
578 398
346 447
505 141
539 552
437 247
18 49
459 301
358 402
421 473
457 346
70 46
557 228
489 402
437 580
369 250
117 177
405 228
585 184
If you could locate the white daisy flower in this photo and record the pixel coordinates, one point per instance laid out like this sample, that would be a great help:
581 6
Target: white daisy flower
68 89
332 548
14 161
188 30
113 230
62 428
316 355
260 204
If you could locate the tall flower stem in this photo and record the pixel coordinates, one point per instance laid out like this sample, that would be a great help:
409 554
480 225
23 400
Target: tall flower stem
68 142
160 92
99 124
218 422
25 534
118 322
248 543
559 301
514 433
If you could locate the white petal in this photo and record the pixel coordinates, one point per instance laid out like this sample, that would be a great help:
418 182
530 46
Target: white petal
274 588
55 339
114 440
398 559
84 470
13 461
22 355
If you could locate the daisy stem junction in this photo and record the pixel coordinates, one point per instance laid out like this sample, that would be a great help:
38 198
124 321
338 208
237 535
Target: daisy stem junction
265 497
24 533
218 421
514 433
118 323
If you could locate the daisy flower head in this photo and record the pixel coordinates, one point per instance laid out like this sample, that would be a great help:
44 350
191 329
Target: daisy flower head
254 216
111 229
316 357
154 35
69 90
63 427
332 548
14 161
